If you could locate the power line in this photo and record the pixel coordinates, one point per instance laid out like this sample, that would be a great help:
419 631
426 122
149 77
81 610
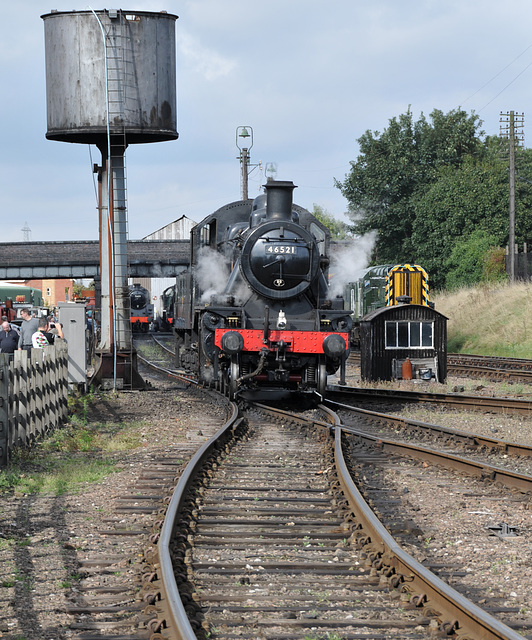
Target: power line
498 74
506 87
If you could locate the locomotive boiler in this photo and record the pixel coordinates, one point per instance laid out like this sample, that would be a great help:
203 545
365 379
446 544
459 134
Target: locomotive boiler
254 310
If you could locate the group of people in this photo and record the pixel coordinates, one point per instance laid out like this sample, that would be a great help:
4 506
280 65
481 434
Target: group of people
33 333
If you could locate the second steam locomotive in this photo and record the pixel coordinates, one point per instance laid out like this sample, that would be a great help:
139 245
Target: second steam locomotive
254 307
141 315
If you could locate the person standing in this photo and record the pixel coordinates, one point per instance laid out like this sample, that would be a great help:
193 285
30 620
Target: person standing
8 339
28 327
43 337
11 324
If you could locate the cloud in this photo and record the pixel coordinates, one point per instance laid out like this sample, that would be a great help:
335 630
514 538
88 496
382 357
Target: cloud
309 77
203 61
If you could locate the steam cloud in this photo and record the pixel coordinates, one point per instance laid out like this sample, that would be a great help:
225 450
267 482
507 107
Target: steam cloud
212 273
348 263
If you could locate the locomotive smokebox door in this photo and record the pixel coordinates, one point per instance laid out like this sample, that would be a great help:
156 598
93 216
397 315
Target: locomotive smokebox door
279 262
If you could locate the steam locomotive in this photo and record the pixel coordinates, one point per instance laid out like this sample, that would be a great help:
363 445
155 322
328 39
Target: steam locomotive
253 312
141 315
165 320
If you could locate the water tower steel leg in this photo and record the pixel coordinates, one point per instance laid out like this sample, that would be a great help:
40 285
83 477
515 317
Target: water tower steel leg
106 257
117 358
121 287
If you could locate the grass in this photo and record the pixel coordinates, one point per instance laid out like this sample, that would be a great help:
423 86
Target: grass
493 320
56 477
150 351
72 456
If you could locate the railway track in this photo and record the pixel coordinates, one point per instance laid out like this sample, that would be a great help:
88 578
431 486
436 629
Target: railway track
398 495
447 446
269 552
231 543
267 536
460 401
488 367
495 362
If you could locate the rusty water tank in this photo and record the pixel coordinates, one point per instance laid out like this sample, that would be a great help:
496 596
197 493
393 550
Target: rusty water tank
110 71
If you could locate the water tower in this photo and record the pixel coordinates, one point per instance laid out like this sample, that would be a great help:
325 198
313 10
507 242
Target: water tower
111 82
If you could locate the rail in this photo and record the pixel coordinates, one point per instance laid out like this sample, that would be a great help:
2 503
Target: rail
174 613
458 614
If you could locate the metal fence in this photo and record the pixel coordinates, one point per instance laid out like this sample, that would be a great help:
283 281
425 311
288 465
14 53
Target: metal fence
33 395
523 265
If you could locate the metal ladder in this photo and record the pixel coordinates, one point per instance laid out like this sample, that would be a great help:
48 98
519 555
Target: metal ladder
120 92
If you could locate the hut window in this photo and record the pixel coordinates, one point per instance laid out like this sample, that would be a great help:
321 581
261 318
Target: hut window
402 334
409 335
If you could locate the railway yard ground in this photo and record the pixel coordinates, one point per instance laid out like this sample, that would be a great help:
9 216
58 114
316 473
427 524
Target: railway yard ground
43 537
49 549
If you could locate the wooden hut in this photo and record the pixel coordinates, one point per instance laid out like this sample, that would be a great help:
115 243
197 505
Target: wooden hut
392 335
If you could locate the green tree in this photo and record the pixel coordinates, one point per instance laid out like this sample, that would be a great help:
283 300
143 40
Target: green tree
394 167
458 202
339 230
468 198
77 289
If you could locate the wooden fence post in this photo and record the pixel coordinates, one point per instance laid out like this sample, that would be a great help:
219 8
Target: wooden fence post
4 407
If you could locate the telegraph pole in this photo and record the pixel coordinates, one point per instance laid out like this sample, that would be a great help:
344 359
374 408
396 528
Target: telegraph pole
512 128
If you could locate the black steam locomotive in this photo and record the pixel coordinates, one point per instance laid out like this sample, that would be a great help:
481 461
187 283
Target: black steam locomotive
165 319
141 314
253 310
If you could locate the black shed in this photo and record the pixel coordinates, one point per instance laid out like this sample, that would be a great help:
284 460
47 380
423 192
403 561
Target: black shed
391 335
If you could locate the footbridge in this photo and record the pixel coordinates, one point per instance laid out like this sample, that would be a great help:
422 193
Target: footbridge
81 259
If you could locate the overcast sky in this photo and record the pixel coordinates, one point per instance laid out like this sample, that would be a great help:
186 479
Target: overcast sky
309 77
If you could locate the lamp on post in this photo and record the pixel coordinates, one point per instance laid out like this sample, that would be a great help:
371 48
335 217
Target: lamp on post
244 146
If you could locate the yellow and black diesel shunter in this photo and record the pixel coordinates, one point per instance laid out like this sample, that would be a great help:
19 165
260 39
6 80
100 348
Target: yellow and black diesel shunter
385 285
395 325
405 281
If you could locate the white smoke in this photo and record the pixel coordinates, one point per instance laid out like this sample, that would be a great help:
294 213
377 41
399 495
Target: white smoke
241 292
348 263
212 273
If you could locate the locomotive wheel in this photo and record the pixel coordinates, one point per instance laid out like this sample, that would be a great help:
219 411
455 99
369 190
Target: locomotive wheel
234 374
322 378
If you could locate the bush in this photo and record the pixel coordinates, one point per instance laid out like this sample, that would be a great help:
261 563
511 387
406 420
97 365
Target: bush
475 259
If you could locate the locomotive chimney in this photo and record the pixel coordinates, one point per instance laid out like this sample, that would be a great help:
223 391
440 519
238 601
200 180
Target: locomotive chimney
279 199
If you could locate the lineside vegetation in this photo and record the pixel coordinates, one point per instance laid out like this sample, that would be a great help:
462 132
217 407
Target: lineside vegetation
493 320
